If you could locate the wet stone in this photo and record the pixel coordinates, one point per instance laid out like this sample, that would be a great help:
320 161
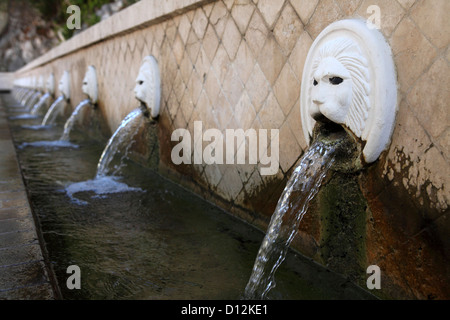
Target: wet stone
17 213
12 203
13 184
15 225
12 195
20 254
15 238
40 292
23 272
27 274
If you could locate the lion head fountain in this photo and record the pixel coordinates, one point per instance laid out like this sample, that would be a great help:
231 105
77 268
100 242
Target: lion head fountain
90 86
148 87
348 104
349 79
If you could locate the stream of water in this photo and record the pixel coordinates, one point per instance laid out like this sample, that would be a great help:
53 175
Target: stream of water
72 119
52 112
42 101
119 142
301 188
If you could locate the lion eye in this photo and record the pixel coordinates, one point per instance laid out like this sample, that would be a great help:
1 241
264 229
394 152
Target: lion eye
336 80
315 82
140 82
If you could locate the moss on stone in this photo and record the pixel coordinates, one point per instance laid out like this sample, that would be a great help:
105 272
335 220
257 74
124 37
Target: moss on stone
342 209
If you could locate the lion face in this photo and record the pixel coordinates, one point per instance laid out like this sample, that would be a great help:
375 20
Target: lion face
147 89
89 86
142 81
339 91
349 78
331 93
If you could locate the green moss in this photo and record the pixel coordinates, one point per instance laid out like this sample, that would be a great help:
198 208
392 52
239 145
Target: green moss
56 11
3 5
152 145
342 209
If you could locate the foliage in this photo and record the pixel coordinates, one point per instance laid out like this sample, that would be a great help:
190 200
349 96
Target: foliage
56 11
3 5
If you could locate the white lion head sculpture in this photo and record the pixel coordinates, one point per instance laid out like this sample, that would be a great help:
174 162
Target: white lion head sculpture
148 87
349 78
90 86
340 90
64 85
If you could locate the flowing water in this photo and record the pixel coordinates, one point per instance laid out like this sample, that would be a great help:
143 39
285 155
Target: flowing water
42 102
24 116
26 97
151 239
72 119
120 141
301 188
33 100
52 112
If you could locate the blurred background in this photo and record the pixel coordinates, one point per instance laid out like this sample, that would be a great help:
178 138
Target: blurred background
29 28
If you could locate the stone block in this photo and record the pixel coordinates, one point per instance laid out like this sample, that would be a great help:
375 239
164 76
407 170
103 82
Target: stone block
304 9
287 89
270 10
429 101
272 61
287 29
410 48
242 12
432 19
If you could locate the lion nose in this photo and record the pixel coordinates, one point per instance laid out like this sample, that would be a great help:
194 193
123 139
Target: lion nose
317 101
318 96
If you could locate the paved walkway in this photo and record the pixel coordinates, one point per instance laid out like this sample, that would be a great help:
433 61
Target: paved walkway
23 274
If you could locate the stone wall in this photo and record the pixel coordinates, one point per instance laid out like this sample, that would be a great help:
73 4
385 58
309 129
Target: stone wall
238 64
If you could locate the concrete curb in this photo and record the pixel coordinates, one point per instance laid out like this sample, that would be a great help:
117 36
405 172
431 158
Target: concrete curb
23 272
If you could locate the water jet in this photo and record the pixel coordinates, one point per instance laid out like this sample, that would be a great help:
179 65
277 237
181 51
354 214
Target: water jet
44 102
39 88
147 92
58 106
29 89
90 88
